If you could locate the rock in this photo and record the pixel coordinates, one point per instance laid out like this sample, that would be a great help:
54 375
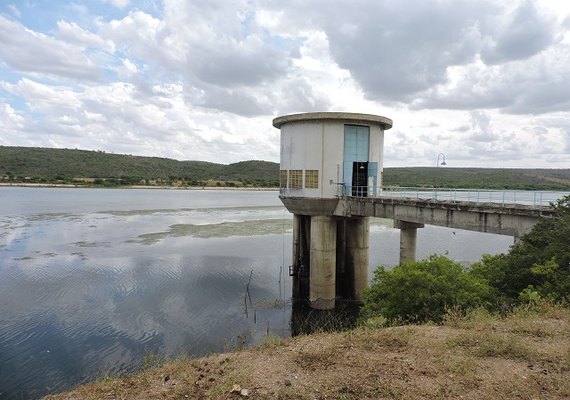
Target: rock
236 389
287 382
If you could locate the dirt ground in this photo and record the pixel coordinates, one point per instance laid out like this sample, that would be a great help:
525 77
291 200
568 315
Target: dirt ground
525 355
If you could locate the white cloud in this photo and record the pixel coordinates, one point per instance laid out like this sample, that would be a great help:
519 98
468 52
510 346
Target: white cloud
10 119
118 3
479 81
28 51
70 32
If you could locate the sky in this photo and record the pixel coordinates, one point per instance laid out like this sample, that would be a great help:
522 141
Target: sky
485 82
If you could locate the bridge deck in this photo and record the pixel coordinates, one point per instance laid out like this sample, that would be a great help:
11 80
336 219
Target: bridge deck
504 219
505 212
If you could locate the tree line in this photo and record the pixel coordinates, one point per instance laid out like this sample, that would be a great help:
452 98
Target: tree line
82 167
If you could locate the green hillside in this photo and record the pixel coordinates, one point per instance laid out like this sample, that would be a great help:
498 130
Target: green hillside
42 165
482 178
34 164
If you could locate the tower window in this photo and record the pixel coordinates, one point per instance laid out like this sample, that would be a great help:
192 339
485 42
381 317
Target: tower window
296 179
312 179
283 178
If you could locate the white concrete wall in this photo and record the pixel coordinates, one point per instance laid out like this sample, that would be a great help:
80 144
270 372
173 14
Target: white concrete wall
319 145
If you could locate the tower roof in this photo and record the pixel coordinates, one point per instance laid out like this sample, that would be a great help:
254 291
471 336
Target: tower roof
385 123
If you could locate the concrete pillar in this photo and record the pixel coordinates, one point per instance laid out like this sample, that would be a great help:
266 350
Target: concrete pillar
296 256
408 236
342 285
322 286
357 232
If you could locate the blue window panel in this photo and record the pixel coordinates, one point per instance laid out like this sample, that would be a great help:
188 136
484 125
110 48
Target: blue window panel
356 148
373 173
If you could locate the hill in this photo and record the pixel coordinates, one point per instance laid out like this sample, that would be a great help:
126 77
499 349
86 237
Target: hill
482 178
521 355
34 164
43 165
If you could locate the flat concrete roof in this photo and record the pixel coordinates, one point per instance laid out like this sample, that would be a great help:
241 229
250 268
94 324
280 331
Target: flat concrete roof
355 118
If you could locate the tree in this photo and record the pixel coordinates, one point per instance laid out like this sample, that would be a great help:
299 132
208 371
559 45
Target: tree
422 291
538 265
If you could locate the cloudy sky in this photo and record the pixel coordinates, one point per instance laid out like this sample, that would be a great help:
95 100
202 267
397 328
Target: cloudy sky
487 83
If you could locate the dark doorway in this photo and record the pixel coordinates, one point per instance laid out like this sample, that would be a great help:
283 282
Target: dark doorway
360 178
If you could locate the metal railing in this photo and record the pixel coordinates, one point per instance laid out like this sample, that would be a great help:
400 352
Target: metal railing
503 197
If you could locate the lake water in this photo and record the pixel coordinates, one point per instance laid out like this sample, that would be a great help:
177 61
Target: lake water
93 282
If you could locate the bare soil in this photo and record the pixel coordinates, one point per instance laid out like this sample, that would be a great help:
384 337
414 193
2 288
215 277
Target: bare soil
525 355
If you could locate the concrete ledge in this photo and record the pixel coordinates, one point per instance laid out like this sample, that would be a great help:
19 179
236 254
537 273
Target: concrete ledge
309 206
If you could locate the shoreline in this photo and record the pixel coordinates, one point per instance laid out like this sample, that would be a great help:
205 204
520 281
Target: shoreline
72 186
518 355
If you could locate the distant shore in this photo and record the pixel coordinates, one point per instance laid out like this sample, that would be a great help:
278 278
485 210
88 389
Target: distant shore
69 185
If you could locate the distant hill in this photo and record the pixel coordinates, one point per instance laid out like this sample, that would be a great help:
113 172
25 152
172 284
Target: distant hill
50 165
43 165
482 178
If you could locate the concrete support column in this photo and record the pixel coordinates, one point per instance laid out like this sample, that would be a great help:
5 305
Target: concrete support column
296 256
322 289
357 232
408 236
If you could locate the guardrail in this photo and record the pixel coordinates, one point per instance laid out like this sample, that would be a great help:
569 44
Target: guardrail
525 197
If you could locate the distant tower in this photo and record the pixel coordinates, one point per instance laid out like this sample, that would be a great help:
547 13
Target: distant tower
325 156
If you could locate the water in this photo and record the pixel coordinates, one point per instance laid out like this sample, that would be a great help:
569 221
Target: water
94 281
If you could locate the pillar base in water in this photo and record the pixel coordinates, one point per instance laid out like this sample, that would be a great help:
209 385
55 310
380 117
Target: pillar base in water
408 237
322 304
322 289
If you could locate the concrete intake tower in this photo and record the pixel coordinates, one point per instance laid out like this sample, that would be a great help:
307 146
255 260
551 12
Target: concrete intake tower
326 156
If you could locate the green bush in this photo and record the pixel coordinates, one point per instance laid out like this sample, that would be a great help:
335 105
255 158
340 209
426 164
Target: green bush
423 290
538 266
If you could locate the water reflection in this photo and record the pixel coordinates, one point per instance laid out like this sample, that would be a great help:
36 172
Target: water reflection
66 326
82 295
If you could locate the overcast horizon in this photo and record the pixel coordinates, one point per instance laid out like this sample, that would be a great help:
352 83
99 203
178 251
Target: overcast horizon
485 82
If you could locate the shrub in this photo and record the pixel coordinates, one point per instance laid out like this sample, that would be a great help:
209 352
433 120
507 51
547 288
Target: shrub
423 290
538 266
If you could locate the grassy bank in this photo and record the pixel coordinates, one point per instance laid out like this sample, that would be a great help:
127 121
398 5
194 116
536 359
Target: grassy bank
525 355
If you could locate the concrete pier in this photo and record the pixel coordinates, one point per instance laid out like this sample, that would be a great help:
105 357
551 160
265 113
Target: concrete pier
408 239
330 259
301 257
357 232
322 284
296 256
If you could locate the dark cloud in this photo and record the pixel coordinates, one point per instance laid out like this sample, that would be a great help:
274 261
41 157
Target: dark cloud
537 86
445 54
298 95
526 34
237 64
239 101
398 49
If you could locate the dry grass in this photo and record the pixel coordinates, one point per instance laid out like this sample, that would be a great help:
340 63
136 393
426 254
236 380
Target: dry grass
524 355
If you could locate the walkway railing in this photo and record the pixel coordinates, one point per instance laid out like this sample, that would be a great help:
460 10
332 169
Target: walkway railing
524 197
